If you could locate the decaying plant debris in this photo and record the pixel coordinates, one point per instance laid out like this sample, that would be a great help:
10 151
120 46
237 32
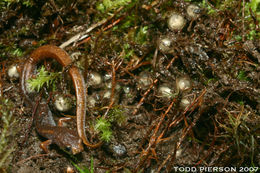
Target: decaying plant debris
148 119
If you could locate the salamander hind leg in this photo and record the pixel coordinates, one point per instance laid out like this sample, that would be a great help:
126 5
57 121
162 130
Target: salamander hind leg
45 145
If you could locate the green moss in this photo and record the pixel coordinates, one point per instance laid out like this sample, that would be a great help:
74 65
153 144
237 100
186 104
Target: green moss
240 134
104 127
7 3
85 169
255 6
138 35
117 115
128 51
128 22
44 77
17 52
204 4
8 129
10 50
141 35
242 76
111 5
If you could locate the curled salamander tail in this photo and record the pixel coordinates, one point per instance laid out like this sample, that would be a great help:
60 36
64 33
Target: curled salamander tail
54 52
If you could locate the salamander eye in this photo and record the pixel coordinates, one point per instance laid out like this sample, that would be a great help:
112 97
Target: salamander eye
68 149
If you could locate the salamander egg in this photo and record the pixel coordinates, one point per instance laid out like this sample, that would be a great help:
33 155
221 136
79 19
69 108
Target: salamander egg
13 72
107 94
164 44
185 102
94 79
62 103
176 22
126 89
91 101
145 80
193 11
165 91
183 84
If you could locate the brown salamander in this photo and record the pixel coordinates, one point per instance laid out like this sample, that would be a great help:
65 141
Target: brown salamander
45 125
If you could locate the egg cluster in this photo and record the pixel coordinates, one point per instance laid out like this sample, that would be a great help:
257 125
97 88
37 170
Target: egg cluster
100 85
99 88
183 86
176 22
165 44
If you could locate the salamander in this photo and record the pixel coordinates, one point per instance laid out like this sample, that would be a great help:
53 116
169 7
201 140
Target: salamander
45 125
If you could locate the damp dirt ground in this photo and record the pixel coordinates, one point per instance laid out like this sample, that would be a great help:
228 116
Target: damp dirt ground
133 84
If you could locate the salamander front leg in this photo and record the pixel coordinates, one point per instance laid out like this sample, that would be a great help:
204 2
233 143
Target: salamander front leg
62 120
45 145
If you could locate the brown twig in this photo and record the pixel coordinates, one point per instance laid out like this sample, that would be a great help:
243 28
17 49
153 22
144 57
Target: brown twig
32 157
33 116
85 34
185 131
154 139
2 72
151 86
115 67
106 28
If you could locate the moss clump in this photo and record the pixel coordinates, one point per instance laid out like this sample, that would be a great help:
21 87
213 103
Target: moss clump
44 77
117 115
111 5
241 135
7 3
8 130
104 126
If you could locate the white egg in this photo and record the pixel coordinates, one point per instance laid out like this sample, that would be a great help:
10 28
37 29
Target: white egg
126 89
107 94
183 83
13 72
185 102
91 101
164 44
145 80
165 91
193 11
176 22
62 103
94 79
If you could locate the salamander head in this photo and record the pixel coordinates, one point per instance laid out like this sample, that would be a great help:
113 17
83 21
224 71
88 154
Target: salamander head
73 143
69 140
76 147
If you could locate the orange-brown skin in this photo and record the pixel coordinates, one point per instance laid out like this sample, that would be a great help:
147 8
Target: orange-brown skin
44 121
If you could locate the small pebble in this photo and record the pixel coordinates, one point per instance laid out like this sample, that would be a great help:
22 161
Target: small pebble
119 150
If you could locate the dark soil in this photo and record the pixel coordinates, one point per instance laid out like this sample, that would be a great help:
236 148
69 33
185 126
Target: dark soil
218 52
